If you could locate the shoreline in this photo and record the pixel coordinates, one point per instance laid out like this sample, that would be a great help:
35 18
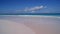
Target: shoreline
30 16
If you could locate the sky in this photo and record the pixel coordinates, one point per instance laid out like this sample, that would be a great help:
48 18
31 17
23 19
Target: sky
29 6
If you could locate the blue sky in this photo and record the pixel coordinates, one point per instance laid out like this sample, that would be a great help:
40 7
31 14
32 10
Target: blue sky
29 6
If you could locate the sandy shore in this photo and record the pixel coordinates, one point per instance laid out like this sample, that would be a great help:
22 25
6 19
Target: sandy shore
37 25
8 27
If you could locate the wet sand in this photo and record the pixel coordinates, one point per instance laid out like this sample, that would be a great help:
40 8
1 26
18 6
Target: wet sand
39 25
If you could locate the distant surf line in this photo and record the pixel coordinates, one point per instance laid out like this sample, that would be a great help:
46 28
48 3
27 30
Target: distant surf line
31 16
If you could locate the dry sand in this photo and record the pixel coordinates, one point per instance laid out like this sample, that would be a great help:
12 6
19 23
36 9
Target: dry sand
43 25
36 25
8 27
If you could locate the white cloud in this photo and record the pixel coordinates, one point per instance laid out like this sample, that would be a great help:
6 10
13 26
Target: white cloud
34 8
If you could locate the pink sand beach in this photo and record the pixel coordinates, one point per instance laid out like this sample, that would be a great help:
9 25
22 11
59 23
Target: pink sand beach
29 25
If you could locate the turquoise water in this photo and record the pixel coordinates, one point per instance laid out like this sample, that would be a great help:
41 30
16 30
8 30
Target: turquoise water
32 15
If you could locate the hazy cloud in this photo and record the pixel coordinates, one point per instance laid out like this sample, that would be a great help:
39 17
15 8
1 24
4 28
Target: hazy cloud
34 8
